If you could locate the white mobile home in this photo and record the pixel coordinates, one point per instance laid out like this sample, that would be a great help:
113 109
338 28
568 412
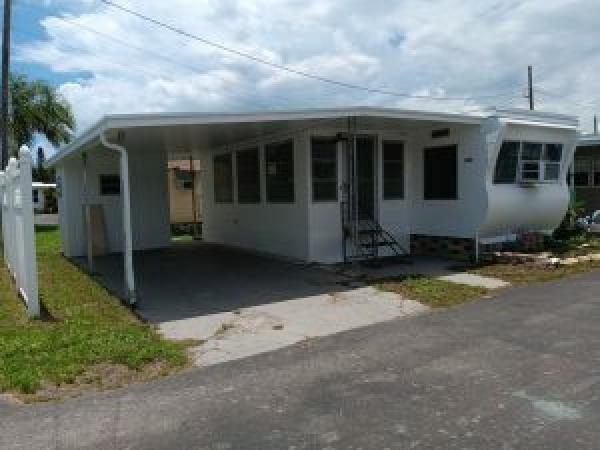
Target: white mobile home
39 195
323 185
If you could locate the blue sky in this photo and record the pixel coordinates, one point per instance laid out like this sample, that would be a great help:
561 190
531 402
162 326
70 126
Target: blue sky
105 61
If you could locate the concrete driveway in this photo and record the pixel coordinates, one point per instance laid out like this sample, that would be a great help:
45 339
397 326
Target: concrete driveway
238 304
519 371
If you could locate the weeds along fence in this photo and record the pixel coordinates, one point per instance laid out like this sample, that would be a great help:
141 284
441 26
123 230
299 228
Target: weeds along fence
18 230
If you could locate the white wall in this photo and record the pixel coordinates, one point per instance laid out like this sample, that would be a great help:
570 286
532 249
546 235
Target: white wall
275 228
149 199
458 217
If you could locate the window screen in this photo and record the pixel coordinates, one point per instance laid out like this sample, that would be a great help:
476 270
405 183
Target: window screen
596 172
507 163
531 155
393 170
440 173
583 169
248 176
223 178
552 157
184 179
324 169
279 168
110 184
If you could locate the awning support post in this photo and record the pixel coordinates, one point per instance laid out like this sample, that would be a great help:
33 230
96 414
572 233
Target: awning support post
88 217
127 235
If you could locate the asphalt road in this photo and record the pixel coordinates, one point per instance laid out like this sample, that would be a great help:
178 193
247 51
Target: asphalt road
521 370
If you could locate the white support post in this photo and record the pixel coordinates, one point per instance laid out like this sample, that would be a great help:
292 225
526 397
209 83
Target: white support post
127 235
88 217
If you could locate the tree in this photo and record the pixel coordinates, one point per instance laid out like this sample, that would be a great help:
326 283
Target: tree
37 107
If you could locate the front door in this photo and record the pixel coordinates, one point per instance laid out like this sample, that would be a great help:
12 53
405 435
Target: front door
365 173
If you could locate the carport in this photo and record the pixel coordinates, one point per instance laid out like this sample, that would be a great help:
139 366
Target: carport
114 178
192 279
137 149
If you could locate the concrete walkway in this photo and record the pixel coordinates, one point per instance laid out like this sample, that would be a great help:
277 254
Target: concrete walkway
475 280
249 331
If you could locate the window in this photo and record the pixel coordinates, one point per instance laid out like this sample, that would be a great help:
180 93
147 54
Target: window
440 173
324 169
531 155
223 178
507 163
248 176
110 184
393 170
552 157
184 180
279 167
587 172
36 196
583 169
528 161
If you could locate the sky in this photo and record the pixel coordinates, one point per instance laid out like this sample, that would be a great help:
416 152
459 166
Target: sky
105 61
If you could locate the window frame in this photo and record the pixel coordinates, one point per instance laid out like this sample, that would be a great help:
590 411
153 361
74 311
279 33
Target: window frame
401 161
541 164
257 199
455 195
314 180
267 147
230 199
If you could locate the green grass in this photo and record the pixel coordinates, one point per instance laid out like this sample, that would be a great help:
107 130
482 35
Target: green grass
576 244
87 326
528 273
431 291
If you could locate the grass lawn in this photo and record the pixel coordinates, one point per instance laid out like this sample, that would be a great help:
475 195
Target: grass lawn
431 291
90 338
528 273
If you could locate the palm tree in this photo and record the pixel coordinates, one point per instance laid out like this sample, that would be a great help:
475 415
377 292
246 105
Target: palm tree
38 108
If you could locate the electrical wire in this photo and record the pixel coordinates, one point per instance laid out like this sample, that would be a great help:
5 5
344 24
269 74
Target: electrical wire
285 68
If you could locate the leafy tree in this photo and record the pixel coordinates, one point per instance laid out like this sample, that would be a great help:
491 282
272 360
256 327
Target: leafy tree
37 107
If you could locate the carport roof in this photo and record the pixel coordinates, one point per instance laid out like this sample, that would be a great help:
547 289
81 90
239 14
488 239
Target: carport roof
266 118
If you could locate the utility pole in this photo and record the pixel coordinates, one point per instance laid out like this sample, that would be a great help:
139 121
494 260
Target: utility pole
5 84
595 124
530 87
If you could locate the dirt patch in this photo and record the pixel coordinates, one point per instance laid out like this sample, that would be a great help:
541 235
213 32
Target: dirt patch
100 377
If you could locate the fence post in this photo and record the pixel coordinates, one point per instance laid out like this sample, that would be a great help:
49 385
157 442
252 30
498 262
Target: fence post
30 264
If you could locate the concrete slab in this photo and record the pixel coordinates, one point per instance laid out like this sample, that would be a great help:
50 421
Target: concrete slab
475 280
267 327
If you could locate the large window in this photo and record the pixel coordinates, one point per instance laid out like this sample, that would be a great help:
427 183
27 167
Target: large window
508 161
393 170
324 169
587 172
248 176
279 168
440 173
223 179
110 184
528 162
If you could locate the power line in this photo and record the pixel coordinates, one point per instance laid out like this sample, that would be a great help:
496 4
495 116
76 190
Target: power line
285 68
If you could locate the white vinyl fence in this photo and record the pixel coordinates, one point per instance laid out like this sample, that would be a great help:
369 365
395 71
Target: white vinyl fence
18 228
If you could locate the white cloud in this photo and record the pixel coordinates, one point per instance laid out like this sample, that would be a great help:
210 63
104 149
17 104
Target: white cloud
448 47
